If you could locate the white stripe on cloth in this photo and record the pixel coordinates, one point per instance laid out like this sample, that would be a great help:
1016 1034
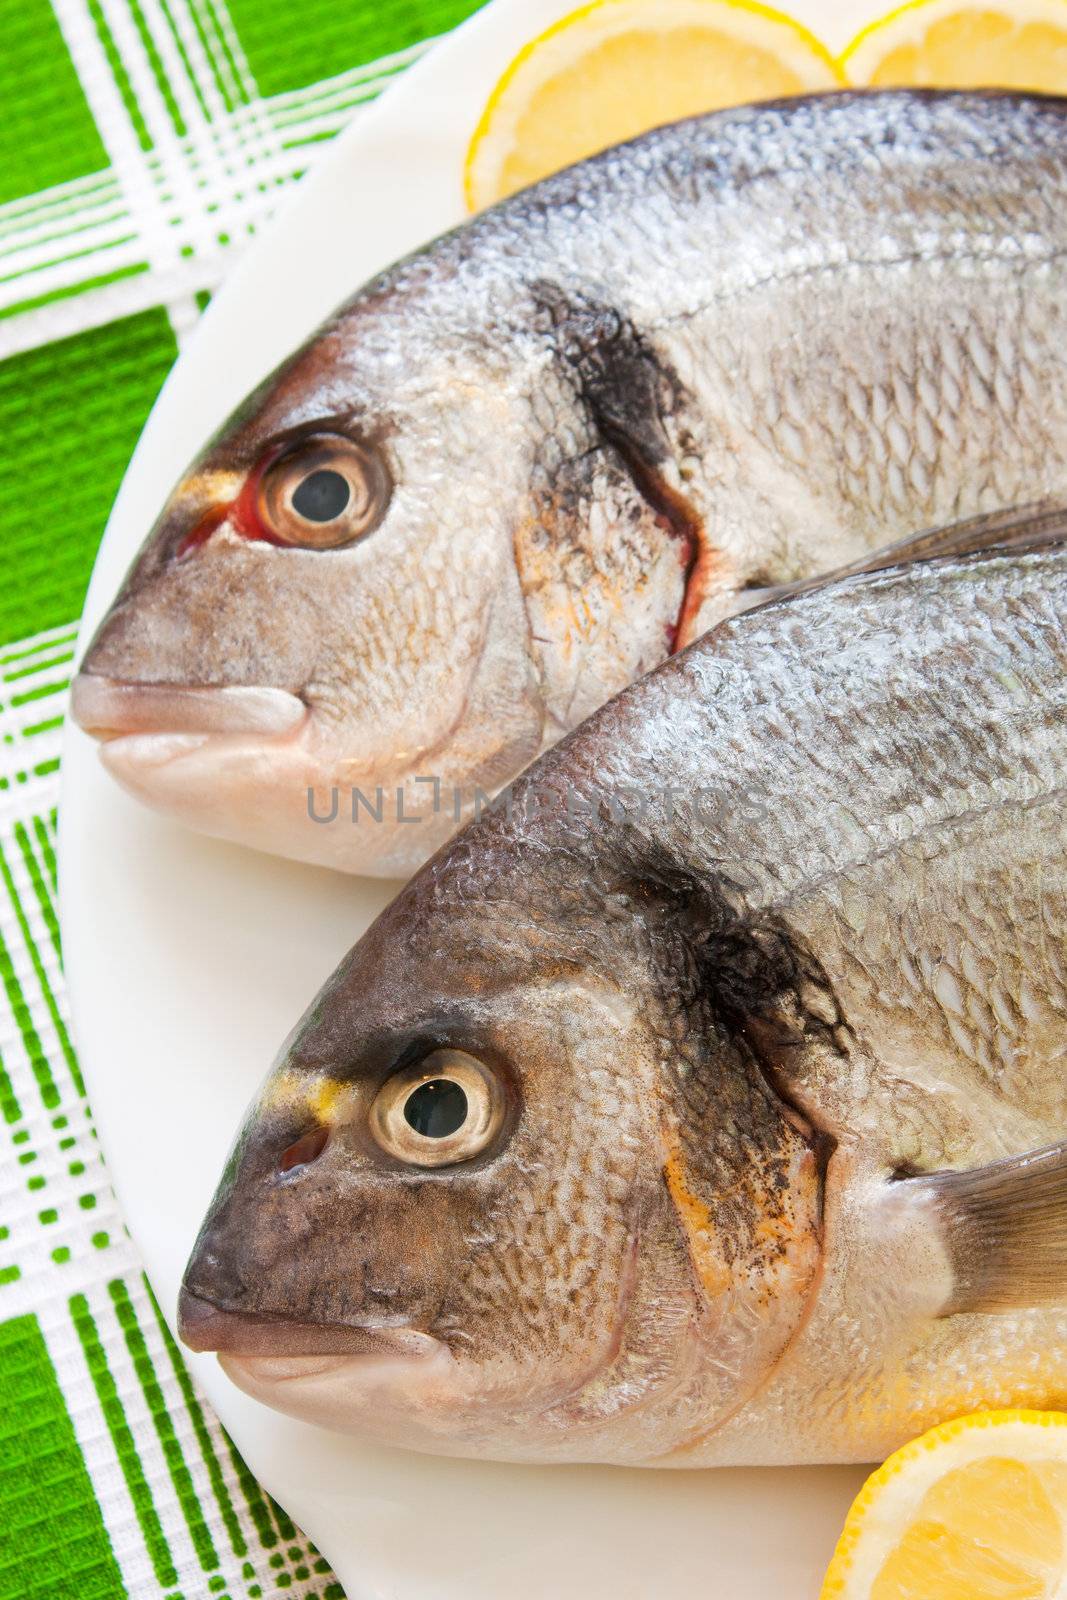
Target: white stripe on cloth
169 222
65 1258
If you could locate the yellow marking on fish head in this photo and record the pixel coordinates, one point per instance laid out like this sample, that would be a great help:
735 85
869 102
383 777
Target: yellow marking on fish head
328 1100
327 1097
212 485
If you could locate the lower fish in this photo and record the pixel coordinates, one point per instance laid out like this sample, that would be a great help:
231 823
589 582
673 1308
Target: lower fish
704 1101
520 468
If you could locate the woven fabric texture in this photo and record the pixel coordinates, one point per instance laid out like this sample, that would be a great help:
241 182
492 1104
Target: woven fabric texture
142 145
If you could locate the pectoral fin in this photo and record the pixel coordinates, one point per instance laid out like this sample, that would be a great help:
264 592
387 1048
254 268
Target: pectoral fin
1018 529
1029 527
1005 1228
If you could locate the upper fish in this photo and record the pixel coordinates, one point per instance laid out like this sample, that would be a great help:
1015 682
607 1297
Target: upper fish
704 1101
521 467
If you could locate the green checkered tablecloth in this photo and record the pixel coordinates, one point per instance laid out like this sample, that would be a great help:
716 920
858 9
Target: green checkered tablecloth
142 144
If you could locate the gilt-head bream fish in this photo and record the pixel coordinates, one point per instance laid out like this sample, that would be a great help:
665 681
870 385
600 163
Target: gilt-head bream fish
521 467
703 1102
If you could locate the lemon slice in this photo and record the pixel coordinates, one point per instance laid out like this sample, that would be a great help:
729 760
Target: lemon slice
973 1510
618 67
943 43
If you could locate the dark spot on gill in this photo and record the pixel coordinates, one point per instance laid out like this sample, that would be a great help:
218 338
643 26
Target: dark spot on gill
631 394
771 1029
907 1169
759 982
822 1143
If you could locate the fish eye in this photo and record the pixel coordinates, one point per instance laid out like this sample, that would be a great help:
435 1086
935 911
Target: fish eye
324 492
447 1108
436 1109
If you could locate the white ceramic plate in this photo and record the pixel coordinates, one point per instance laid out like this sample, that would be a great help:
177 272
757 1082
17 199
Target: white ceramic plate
189 960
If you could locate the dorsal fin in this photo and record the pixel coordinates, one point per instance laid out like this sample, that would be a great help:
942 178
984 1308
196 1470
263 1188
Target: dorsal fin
1019 529
1005 1228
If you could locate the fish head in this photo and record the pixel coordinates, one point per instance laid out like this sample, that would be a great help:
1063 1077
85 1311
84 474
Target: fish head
483 1207
328 603
433 541
437 1192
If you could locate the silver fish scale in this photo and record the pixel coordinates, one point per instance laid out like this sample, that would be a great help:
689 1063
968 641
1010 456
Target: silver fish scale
877 770
852 721
776 177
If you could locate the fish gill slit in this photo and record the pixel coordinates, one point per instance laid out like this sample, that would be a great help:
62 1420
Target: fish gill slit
678 519
819 1140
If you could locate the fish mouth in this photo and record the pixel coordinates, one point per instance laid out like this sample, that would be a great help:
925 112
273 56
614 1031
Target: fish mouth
278 1347
112 709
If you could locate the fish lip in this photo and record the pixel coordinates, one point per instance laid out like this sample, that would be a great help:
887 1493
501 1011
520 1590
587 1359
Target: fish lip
205 1324
116 708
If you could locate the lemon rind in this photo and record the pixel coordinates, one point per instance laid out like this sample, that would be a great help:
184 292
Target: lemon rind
952 1444
1017 10
808 49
